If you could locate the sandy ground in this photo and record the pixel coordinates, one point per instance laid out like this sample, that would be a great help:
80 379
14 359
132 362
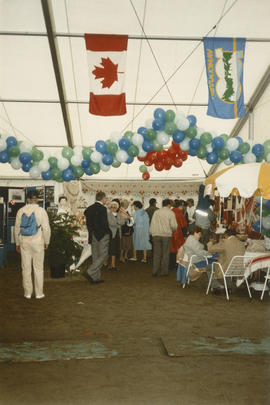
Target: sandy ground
130 313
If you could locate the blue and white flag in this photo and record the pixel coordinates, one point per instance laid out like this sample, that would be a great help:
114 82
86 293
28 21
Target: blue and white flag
224 58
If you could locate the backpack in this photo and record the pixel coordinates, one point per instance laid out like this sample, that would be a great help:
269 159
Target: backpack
28 225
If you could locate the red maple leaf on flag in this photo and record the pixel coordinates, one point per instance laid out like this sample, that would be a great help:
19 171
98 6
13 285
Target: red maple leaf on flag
108 72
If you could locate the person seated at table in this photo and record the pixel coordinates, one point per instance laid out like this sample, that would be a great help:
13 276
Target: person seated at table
227 248
193 246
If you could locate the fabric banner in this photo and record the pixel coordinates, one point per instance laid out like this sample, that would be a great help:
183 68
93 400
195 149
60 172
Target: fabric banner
224 58
106 67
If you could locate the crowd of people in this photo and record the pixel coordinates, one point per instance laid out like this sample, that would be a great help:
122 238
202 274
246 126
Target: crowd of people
118 231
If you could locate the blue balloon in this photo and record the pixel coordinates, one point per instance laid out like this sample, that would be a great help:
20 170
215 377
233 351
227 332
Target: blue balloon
124 143
212 158
142 131
25 157
240 140
88 171
236 156
218 142
107 159
100 146
85 163
158 124
26 166
46 175
147 146
179 136
192 120
258 150
159 113
192 152
68 174
194 143
129 160
256 226
4 156
11 141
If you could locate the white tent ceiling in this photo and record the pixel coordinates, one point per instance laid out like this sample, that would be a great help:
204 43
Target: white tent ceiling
30 107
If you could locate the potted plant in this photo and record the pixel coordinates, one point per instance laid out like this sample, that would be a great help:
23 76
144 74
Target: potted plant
62 248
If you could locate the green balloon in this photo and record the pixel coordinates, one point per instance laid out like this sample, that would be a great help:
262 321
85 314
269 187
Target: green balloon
116 163
151 134
14 151
78 171
206 138
260 159
53 162
225 137
67 152
169 115
244 147
191 132
170 128
87 152
59 179
133 150
111 148
201 152
223 153
143 169
157 146
55 173
128 135
37 155
94 167
266 146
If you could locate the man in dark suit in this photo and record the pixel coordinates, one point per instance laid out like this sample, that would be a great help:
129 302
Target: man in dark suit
98 235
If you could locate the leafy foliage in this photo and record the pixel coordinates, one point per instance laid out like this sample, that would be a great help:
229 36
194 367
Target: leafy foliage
62 246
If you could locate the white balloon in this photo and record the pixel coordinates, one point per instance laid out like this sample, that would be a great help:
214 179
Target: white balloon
15 163
150 168
267 159
184 145
199 132
96 156
121 156
182 123
142 153
115 137
26 146
77 150
35 172
266 222
63 163
76 160
162 138
3 145
228 162
148 123
104 168
249 157
137 139
4 136
232 144
44 165
179 114
209 148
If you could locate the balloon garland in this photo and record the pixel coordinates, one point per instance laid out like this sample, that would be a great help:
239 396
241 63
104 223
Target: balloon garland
147 145
264 227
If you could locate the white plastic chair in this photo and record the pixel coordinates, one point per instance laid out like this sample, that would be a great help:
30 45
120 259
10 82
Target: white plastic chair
236 268
193 259
267 277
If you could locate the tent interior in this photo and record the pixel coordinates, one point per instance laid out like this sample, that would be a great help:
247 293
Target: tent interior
165 68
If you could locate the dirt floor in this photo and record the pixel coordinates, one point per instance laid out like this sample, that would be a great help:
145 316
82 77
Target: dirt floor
143 319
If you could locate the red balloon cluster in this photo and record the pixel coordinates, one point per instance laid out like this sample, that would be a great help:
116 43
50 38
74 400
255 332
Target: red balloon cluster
164 159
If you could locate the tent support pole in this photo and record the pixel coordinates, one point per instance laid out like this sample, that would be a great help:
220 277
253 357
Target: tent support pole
50 27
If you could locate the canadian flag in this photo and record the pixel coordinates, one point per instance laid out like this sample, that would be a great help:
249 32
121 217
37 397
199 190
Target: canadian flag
106 67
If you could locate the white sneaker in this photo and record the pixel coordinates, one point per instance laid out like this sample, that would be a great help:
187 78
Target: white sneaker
27 296
38 297
239 282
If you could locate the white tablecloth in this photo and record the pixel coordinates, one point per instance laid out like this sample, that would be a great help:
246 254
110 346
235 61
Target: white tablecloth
256 261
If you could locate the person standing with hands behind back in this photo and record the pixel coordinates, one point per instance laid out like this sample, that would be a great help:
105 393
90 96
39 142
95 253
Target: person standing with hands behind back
32 235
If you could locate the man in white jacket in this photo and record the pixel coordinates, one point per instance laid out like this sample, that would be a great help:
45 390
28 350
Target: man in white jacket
162 226
31 247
